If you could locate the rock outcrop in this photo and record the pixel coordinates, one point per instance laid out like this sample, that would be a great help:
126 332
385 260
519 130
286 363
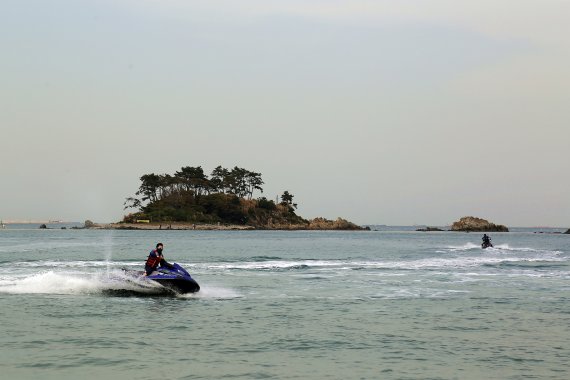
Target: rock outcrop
89 224
473 224
314 224
567 232
429 229
338 224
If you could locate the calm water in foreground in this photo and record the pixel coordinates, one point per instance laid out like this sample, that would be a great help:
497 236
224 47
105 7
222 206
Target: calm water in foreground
287 305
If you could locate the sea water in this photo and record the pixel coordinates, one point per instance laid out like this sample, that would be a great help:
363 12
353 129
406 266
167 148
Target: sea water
387 304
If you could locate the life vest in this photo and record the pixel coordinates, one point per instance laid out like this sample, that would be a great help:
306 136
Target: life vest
153 261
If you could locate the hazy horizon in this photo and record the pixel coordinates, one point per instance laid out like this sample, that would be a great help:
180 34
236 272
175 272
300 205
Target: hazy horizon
380 112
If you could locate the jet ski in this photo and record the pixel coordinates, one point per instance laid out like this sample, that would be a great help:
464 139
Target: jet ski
486 244
174 278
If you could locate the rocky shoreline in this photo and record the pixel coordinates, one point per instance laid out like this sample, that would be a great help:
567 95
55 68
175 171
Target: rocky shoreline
169 226
317 224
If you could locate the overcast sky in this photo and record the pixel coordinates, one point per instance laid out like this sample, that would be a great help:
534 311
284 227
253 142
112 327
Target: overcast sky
387 112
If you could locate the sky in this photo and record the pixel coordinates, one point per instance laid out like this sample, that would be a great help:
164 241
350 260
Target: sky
381 112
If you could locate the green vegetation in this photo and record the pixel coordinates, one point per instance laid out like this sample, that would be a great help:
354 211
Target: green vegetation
226 196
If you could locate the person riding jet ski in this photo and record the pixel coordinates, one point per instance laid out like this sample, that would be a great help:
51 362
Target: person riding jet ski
486 241
155 258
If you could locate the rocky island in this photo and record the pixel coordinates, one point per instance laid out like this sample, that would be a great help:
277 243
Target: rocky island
473 224
429 229
190 199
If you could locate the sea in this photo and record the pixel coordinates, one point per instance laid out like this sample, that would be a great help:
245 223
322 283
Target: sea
390 303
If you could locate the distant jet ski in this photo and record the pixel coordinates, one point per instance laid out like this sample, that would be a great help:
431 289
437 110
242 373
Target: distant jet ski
486 242
175 278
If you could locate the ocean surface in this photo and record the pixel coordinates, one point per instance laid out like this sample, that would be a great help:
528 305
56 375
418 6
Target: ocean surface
386 304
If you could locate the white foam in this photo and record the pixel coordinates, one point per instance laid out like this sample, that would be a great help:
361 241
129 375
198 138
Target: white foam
506 247
503 247
457 260
76 283
50 283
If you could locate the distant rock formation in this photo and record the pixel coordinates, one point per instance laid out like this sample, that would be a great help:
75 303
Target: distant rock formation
567 232
338 224
315 224
89 224
473 224
429 229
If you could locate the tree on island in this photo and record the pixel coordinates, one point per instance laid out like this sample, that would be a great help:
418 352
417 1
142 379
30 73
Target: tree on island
287 199
150 184
192 179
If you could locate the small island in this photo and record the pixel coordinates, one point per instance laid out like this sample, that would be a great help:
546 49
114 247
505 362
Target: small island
473 224
190 199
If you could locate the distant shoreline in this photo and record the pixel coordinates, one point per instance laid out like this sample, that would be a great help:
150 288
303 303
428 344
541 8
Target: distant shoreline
235 227
180 226
170 226
38 222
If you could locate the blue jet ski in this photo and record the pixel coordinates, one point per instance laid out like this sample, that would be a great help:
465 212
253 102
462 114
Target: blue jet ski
175 278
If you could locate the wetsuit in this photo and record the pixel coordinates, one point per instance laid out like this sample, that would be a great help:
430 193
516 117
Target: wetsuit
155 259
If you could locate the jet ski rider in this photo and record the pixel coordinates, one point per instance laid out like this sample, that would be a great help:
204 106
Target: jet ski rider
486 240
154 259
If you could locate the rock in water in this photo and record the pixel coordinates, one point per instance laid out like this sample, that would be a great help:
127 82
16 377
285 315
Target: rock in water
472 224
429 229
338 224
567 232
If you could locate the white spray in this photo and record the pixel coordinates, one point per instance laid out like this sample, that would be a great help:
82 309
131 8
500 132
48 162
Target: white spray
108 250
